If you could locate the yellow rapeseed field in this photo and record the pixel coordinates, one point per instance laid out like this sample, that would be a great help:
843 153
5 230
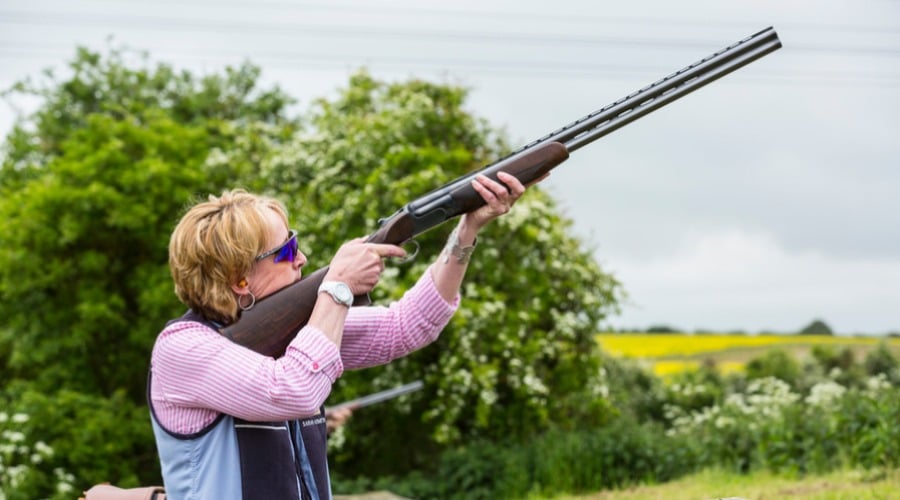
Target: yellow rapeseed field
673 353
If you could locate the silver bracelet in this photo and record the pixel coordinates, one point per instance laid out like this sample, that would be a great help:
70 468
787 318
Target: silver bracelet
454 248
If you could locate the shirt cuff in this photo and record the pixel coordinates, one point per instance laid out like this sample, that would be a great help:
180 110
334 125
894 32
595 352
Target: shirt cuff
316 352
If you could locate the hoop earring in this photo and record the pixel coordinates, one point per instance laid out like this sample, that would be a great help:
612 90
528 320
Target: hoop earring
248 306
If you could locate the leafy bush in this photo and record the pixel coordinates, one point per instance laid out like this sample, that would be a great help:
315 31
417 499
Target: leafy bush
770 426
696 389
761 424
881 361
633 390
73 440
620 453
866 424
775 363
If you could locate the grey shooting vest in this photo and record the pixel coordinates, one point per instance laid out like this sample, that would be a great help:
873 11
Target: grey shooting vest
234 458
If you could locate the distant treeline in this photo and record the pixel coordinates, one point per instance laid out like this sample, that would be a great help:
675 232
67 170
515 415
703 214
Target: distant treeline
815 327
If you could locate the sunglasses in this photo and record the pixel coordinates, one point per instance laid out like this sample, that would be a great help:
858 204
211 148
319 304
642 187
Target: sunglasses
286 251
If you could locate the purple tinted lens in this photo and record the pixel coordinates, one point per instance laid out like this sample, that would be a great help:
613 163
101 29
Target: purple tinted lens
288 252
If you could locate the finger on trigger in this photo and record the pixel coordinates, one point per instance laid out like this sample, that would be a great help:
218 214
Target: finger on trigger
385 250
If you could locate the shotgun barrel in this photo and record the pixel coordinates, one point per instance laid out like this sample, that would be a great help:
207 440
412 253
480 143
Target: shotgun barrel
458 197
587 129
378 397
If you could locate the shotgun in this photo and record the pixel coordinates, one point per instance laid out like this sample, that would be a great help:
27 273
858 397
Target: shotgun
378 397
273 322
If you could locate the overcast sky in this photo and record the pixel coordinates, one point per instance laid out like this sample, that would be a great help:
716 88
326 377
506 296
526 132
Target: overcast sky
760 202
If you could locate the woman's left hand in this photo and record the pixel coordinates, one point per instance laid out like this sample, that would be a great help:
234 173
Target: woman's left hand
499 198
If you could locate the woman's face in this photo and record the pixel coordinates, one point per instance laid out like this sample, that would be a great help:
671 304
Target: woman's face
268 276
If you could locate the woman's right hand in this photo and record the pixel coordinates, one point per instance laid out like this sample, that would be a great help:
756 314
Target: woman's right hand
359 264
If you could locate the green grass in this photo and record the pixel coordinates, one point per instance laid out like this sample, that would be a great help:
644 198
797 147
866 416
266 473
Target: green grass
710 484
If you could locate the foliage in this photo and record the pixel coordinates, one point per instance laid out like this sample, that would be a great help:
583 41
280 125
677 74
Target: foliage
817 327
91 186
839 364
867 425
696 389
615 455
662 329
882 361
746 426
768 425
20 476
775 363
75 440
633 390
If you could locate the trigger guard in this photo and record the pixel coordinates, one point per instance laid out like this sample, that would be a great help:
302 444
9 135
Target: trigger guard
409 256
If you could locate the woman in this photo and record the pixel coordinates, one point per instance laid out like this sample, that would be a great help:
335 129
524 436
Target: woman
232 423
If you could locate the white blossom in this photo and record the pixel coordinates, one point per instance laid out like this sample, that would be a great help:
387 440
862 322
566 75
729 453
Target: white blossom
13 436
877 383
825 394
43 448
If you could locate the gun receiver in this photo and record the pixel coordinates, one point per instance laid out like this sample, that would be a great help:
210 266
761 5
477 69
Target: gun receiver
270 326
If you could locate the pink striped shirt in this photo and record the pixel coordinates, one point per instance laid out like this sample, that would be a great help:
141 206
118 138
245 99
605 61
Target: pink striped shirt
198 374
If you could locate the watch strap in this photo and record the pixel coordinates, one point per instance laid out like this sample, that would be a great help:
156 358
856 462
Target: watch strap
339 291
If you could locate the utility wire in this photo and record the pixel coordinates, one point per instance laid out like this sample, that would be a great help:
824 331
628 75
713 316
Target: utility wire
157 23
509 68
511 15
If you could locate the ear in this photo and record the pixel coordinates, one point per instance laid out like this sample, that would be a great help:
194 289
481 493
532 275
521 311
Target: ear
240 287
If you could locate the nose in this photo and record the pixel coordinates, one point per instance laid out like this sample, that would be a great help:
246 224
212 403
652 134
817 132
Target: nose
300 260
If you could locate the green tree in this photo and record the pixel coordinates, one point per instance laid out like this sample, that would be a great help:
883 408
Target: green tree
520 355
817 327
662 329
91 185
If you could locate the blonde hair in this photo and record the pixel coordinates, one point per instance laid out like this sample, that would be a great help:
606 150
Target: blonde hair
214 245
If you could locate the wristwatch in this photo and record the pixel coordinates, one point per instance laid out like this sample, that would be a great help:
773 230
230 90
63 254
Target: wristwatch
339 291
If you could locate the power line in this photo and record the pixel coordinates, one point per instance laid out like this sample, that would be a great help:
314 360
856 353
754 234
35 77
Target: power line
528 16
505 67
156 23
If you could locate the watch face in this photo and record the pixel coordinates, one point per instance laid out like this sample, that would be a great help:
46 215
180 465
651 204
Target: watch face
343 293
340 292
